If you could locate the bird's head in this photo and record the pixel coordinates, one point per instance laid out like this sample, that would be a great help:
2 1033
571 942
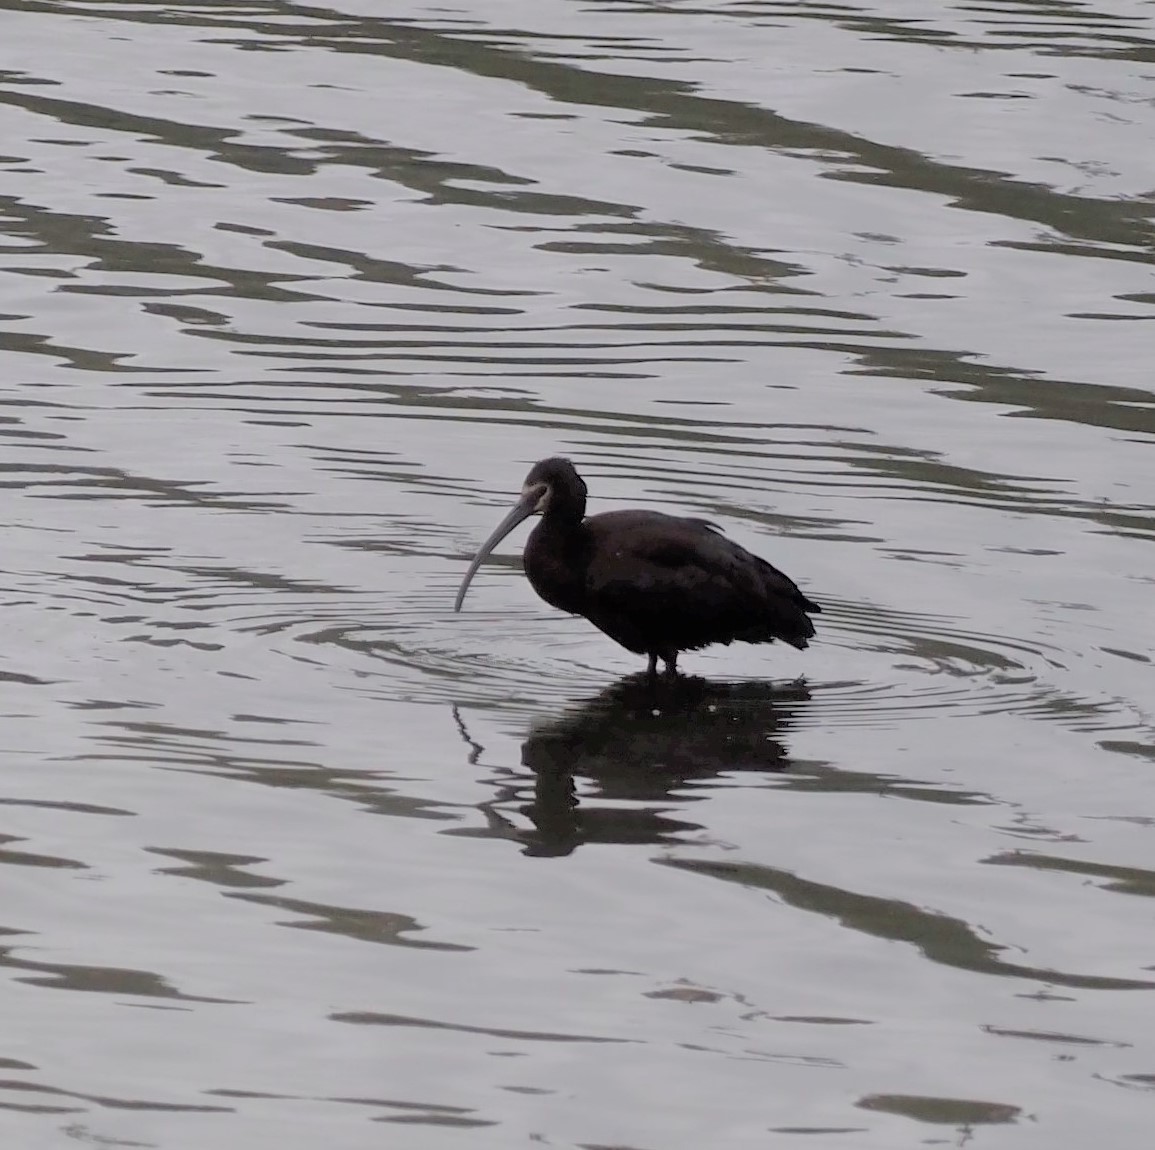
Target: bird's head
552 488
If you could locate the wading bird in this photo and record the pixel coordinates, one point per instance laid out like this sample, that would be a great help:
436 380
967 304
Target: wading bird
655 583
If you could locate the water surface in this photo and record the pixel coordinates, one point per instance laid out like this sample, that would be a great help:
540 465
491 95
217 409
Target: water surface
292 297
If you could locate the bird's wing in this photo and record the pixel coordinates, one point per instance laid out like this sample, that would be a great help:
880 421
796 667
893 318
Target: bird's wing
659 562
647 550
652 574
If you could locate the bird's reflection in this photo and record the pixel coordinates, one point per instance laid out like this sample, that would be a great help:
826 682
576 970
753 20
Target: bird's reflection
643 747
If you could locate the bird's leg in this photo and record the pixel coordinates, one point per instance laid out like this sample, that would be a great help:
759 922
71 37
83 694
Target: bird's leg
671 665
652 667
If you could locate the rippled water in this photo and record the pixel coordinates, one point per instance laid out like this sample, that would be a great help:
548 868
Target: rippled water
292 296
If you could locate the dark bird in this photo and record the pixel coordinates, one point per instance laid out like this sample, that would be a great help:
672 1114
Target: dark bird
657 584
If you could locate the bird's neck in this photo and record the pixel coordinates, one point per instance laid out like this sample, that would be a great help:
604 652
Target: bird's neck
556 560
563 518
563 531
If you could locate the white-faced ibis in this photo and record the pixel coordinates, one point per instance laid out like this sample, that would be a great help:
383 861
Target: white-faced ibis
655 583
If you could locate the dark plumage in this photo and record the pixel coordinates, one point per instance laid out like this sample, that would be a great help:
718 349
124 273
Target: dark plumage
655 583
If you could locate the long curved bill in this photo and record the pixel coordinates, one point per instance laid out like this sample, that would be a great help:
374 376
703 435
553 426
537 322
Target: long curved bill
521 511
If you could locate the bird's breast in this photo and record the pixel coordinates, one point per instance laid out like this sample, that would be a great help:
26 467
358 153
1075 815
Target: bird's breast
556 568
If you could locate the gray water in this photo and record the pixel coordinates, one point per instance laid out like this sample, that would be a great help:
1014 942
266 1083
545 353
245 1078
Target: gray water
293 296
